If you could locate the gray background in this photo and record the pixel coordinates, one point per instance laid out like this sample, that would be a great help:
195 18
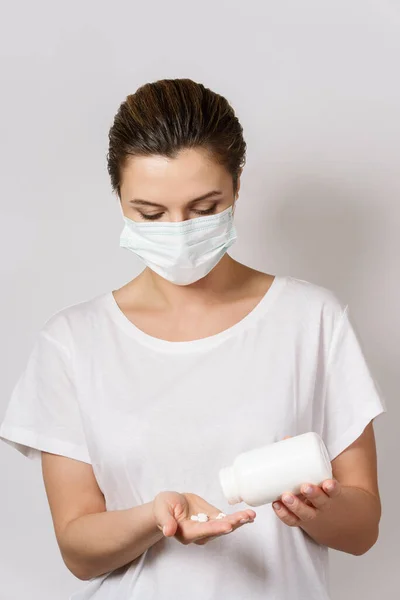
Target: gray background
316 87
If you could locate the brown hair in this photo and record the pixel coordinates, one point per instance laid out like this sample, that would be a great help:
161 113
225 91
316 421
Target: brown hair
169 115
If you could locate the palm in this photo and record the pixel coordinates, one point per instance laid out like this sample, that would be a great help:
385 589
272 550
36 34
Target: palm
183 506
195 504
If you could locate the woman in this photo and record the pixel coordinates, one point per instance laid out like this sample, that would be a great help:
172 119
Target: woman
136 398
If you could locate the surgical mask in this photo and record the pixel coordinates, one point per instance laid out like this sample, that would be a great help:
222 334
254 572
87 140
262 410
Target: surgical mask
182 252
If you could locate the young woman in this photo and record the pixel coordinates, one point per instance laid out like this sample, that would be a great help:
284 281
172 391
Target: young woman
136 398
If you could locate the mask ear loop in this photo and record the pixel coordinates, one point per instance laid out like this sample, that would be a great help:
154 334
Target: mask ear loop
234 205
120 207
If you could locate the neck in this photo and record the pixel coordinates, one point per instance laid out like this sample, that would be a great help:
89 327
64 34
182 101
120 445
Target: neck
226 277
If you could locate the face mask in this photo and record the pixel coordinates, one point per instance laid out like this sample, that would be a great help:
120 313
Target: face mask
182 252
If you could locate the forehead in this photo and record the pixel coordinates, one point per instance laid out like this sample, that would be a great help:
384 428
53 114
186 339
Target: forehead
191 172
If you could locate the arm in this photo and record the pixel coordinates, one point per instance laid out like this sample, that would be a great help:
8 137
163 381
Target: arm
93 541
347 517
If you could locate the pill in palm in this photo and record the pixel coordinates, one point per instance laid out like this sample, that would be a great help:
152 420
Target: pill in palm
194 518
202 517
221 516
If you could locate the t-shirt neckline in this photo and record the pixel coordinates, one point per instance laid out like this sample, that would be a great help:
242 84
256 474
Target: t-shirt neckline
203 343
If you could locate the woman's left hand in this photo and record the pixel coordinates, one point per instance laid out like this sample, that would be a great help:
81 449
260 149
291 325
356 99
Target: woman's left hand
293 510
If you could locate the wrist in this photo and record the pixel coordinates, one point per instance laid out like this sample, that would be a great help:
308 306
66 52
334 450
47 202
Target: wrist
144 523
156 528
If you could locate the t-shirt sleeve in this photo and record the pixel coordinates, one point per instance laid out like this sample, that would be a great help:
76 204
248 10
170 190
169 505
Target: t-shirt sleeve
351 396
43 412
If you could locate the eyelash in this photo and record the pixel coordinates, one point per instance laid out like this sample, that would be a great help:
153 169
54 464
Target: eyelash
150 217
209 211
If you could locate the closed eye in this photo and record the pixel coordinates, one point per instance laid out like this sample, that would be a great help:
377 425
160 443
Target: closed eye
157 216
208 211
151 217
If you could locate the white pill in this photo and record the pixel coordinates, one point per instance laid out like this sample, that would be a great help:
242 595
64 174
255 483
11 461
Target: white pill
221 516
202 517
194 518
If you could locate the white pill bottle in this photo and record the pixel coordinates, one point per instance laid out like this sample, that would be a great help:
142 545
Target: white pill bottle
261 475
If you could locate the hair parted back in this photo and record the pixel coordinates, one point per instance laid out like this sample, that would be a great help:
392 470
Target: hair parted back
169 115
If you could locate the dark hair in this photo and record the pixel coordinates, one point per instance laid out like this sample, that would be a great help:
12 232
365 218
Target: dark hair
169 115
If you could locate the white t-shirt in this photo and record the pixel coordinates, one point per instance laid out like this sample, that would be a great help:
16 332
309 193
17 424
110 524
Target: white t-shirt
152 415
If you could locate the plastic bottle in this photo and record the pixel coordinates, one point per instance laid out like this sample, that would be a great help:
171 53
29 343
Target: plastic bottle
260 476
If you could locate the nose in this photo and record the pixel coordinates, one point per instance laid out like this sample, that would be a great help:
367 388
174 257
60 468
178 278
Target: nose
178 215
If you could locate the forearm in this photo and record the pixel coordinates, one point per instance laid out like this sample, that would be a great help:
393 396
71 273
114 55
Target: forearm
350 525
95 544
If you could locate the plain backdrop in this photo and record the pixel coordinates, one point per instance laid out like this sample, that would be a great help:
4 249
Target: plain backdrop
316 87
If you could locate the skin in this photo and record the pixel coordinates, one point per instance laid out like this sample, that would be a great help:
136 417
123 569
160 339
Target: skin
344 512
94 541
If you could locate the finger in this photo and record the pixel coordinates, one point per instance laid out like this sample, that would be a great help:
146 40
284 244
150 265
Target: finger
240 518
295 505
285 515
316 496
332 487
166 521
305 500
234 526
242 514
203 532
192 530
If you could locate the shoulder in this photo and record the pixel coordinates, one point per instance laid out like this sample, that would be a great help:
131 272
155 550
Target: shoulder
311 301
73 321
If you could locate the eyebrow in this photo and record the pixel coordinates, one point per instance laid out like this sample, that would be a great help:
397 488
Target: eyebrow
141 202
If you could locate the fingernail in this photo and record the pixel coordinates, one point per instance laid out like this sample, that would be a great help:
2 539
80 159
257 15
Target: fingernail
229 531
330 487
276 506
288 499
244 521
163 529
308 489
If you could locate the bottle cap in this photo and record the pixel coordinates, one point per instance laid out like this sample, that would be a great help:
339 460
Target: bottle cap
229 486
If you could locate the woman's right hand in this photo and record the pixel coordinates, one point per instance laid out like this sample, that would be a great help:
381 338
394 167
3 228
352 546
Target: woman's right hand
172 512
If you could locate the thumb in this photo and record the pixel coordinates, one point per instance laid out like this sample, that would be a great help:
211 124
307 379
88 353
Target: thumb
166 521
